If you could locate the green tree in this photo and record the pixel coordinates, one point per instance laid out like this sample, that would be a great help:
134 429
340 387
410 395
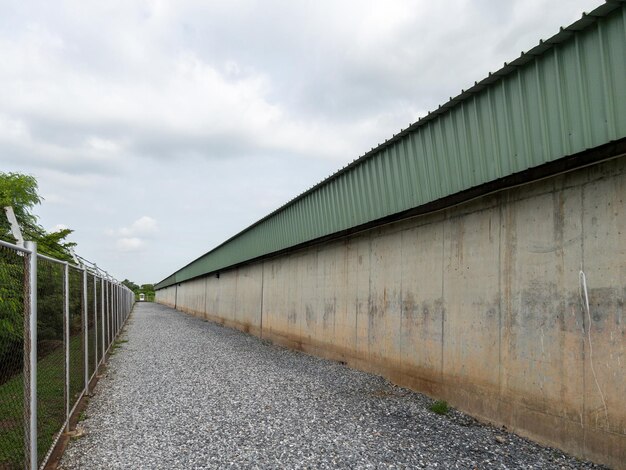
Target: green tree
131 285
21 193
148 290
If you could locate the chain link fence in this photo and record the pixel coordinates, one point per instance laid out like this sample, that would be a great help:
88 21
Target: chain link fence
50 353
11 358
70 315
76 359
91 327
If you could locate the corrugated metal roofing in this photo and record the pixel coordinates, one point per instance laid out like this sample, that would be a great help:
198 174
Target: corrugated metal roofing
565 95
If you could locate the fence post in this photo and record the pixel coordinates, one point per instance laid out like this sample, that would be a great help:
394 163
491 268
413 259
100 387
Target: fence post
30 355
117 310
66 324
108 310
95 324
117 307
103 325
113 319
109 313
117 299
85 332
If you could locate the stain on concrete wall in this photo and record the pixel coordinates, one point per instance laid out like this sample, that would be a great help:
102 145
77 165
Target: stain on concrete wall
480 305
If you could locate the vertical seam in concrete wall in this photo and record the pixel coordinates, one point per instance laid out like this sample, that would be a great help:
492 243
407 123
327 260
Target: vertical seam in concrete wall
401 295
334 291
443 298
582 267
206 286
500 299
262 292
218 295
346 275
356 301
234 312
369 298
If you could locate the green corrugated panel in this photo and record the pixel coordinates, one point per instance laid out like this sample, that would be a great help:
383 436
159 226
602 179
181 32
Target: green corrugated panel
566 95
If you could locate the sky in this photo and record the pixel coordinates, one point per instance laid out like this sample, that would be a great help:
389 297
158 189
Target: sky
158 129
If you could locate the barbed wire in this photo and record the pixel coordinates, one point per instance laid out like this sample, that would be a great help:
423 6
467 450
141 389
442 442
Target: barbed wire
56 249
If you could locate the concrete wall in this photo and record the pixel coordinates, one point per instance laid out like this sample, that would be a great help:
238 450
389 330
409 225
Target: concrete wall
479 305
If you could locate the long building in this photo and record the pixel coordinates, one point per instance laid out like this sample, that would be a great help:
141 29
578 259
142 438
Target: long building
478 256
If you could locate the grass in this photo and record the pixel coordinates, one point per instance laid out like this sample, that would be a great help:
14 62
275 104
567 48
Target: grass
50 403
116 345
440 407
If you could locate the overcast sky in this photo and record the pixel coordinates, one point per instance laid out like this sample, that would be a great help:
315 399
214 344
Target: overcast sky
158 129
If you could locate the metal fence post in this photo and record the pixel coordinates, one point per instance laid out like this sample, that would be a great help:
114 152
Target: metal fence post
117 319
95 324
108 307
30 355
117 298
103 323
66 320
113 319
85 332
110 313
111 322
117 310
117 303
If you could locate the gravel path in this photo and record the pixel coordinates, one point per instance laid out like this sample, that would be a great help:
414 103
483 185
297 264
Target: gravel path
185 393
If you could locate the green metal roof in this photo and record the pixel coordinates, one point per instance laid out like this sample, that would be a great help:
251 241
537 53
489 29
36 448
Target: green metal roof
564 96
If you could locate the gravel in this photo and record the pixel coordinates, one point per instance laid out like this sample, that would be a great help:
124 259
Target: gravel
186 393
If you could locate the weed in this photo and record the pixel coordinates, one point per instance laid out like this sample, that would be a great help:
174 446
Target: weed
440 407
381 393
116 344
76 433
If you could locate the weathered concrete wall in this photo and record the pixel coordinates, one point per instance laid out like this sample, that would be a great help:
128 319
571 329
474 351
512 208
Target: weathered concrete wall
479 305
166 296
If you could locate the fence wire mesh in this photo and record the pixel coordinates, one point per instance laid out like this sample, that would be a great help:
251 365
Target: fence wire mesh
91 327
98 320
50 354
12 449
102 318
110 313
77 354
78 315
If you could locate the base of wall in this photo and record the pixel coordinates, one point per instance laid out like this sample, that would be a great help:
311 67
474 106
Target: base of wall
481 403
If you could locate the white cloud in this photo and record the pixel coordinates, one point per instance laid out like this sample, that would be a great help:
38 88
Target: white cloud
129 244
142 226
134 237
